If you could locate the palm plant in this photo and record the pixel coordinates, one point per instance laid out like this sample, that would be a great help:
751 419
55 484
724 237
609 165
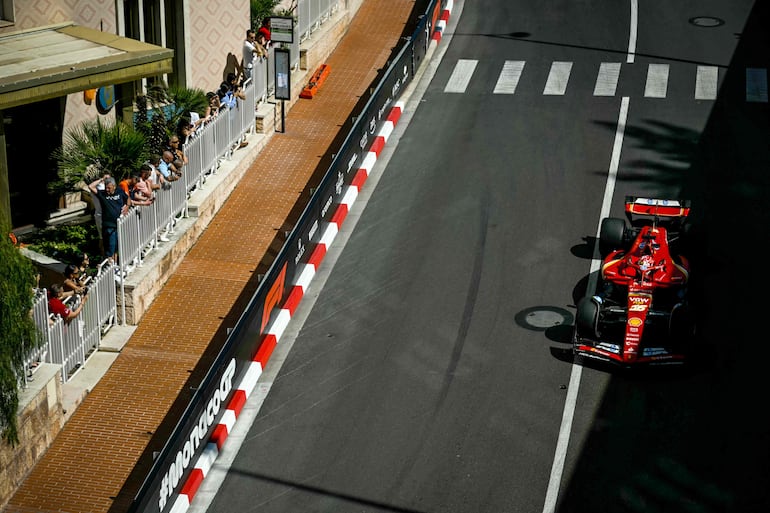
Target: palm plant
186 100
261 9
95 147
169 106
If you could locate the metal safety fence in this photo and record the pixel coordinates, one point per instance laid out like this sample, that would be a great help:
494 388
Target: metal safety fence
69 343
312 13
141 229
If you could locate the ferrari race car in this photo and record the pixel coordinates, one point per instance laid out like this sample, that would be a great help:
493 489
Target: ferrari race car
640 312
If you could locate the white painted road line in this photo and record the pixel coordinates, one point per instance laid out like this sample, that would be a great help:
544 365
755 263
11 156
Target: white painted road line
461 76
607 79
558 78
509 77
562 443
657 81
756 85
632 32
706 80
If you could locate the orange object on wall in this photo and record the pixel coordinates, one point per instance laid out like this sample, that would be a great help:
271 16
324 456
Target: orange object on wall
315 81
88 96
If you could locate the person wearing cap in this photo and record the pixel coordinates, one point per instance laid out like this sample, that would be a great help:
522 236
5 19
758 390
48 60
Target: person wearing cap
114 203
264 30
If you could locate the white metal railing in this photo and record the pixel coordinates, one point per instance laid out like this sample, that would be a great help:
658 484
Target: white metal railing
140 229
259 76
70 343
312 13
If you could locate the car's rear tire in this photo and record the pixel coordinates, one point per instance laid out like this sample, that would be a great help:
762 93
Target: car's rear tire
612 235
587 317
682 327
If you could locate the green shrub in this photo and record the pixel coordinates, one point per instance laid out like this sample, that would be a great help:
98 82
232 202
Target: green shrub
65 242
17 329
261 9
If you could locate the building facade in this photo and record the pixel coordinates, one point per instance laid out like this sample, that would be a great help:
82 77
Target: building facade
53 51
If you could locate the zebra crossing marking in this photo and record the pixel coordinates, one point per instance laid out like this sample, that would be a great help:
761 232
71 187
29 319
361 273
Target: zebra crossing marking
607 79
657 81
706 80
461 76
756 85
509 77
558 78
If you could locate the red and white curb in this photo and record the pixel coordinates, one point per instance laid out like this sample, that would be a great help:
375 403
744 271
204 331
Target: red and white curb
305 274
270 340
442 22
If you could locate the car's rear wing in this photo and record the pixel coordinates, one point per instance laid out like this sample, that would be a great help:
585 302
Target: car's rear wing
659 208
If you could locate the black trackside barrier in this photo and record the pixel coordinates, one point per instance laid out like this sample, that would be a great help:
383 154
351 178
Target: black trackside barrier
209 402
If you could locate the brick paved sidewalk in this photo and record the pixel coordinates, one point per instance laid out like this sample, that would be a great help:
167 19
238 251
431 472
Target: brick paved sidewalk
98 461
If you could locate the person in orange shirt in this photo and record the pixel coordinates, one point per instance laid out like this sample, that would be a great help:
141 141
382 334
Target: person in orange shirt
127 185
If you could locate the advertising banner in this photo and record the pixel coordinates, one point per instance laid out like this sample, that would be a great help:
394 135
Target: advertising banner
207 406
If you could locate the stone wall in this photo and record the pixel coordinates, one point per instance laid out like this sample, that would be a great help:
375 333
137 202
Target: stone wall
40 419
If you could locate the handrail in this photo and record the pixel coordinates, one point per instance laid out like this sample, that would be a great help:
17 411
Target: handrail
70 344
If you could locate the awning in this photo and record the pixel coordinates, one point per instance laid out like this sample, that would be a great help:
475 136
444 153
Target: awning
54 61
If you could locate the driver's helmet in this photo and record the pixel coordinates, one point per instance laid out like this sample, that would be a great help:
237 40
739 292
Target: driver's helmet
646 262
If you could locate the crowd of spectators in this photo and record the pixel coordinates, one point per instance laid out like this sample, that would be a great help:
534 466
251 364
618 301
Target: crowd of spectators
112 198
255 47
67 298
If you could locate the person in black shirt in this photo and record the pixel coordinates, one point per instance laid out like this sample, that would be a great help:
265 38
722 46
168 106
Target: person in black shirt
114 204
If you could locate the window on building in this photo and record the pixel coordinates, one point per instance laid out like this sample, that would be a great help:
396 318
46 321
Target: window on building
6 10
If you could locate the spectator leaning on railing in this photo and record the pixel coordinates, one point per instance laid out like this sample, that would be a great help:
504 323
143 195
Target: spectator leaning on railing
262 43
141 194
185 131
213 106
264 31
167 167
174 146
155 175
57 307
114 203
73 282
127 184
151 177
82 264
230 91
253 48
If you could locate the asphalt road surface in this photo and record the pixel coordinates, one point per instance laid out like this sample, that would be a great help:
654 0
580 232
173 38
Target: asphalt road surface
433 372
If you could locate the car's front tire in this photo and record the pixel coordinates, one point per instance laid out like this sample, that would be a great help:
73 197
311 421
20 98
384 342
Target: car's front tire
587 318
612 235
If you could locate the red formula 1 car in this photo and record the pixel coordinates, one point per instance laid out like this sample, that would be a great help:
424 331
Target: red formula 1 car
640 312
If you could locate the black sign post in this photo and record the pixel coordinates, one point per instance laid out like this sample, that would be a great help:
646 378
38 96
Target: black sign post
282 80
